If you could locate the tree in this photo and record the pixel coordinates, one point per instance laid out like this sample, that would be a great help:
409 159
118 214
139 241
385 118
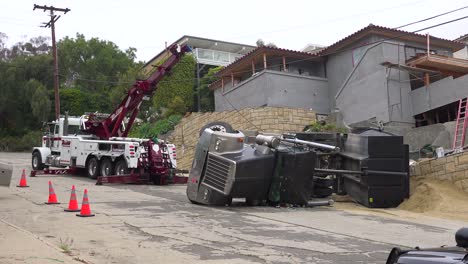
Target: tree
92 65
3 47
40 102
206 95
260 43
89 71
96 68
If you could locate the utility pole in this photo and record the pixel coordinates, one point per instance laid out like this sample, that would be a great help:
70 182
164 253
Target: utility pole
51 24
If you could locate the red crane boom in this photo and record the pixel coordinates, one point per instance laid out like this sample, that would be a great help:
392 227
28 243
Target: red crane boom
130 105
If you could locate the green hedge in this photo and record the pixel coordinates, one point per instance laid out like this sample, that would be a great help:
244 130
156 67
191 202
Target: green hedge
179 83
153 130
24 143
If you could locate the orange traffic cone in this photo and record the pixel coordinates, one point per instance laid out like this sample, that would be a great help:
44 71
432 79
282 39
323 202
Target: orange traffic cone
23 182
73 204
85 210
52 196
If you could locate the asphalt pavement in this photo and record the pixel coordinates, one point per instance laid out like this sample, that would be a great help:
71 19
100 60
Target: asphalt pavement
157 224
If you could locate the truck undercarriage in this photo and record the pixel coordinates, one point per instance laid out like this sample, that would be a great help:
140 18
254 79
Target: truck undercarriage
296 168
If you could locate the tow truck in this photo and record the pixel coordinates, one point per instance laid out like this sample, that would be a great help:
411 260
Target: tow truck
100 144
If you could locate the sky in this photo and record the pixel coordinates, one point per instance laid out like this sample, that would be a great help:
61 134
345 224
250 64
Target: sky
147 25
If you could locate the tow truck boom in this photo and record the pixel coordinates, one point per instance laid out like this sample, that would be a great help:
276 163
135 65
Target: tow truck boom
112 126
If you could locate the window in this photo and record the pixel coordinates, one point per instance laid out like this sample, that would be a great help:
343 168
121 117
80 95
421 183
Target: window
74 129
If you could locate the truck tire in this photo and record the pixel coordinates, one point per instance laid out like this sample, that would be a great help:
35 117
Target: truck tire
121 167
92 167
322 192
217 126
107 167
36 162
323 182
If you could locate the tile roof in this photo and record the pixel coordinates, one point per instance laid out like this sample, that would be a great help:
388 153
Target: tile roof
374 29
339 45
261 50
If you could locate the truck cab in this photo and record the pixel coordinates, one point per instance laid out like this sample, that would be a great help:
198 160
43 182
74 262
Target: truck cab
51 147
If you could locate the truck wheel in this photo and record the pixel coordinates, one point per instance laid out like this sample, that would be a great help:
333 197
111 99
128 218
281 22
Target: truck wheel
121 167
107 167
92 168
252 202
36 162
218 126
322 192
323 182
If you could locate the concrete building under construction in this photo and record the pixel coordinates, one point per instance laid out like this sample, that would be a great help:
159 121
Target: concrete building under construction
386 75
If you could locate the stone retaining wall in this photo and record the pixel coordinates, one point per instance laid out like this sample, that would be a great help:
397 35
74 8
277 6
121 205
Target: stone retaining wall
267 119
452 168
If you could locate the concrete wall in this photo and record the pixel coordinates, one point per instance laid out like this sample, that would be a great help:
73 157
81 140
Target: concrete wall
276 89
452 168
445 91
364 96
461 54
368 89
267 119
398 85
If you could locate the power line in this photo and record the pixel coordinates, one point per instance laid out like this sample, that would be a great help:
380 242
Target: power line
432 17
329 21
307 59
371 43
279 64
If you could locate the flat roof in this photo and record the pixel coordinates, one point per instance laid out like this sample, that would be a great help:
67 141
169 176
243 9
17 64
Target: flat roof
205 43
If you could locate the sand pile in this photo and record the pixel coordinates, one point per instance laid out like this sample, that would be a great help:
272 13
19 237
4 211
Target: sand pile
428 197
436 198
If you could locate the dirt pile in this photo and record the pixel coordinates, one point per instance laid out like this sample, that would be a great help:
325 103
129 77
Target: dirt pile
433 198
436 198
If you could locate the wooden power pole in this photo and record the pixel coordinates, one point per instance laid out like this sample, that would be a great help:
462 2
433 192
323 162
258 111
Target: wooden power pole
51 24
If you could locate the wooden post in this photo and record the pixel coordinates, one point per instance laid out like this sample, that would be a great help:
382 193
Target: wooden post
428 49
264 61
222 84
284 64
426 79
253 67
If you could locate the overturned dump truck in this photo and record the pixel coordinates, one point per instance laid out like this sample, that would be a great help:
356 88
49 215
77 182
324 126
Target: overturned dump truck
298 168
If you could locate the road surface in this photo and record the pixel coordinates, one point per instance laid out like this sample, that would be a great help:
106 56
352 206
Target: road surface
157 224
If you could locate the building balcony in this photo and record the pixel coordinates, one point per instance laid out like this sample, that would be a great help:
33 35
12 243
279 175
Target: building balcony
215 57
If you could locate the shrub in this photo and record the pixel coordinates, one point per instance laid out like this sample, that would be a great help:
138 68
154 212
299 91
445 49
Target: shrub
153 130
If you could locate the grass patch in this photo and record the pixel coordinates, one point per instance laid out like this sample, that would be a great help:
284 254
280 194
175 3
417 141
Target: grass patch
65 245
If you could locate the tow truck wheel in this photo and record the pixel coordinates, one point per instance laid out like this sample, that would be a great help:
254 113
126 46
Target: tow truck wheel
92 168
106 167
36 162
121 167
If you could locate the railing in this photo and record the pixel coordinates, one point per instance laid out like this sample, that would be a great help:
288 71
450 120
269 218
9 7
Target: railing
220 58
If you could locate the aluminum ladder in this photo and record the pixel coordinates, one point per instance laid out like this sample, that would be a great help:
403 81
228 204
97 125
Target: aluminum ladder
460 127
